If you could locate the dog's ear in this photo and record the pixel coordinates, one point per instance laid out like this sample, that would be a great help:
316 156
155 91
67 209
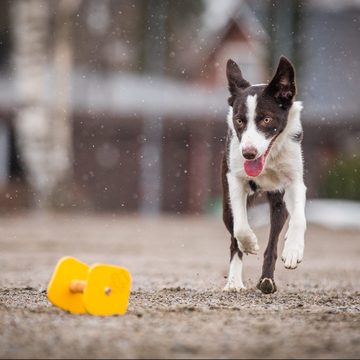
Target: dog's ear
235 80
282 86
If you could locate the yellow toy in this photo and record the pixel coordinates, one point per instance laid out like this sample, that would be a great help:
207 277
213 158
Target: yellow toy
97 290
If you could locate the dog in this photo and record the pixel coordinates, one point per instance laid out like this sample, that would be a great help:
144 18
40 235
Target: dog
263 154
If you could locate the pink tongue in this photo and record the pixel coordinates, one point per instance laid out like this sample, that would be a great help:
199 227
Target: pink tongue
254 167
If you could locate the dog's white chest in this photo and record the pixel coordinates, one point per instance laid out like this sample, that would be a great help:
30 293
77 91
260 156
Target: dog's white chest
272 179
277 173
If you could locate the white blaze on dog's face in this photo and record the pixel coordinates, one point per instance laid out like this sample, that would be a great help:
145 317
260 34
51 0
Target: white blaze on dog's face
260 112
254 143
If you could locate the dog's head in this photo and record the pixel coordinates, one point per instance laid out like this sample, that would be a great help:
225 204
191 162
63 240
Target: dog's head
260 112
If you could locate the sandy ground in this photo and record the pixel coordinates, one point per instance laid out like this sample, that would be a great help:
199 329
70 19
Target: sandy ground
177 308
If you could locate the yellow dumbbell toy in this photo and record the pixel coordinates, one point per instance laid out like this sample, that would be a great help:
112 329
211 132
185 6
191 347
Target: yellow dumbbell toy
98 290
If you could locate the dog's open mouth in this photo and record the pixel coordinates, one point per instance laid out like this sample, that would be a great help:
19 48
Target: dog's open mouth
254 167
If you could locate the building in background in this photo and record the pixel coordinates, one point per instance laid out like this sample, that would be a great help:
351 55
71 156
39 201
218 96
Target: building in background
131 117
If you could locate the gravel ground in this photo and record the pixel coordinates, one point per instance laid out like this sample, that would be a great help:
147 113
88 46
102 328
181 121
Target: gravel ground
177 308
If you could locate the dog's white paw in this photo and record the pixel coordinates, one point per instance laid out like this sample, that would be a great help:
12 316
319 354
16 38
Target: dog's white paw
292 254
247 241
231 287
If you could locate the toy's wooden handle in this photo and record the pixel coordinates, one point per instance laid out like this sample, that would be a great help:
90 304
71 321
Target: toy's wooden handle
77 286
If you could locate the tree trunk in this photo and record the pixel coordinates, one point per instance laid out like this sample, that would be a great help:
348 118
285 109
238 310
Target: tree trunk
62 144
31 25
42 124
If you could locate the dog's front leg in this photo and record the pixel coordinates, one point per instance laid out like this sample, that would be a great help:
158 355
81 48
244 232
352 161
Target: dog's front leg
246 239
295 197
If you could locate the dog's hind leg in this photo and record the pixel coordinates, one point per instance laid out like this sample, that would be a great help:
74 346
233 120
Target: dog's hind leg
235 282
278 216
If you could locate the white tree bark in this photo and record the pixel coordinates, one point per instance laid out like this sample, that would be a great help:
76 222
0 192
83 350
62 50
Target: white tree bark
63 59
31 25
43 130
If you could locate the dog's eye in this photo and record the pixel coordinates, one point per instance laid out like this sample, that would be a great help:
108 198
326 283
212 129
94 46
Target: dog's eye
239 122
267 120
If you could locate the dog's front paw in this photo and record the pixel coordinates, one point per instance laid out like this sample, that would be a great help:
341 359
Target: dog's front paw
247 241
292 254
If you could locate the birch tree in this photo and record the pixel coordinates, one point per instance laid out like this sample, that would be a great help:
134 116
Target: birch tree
42 122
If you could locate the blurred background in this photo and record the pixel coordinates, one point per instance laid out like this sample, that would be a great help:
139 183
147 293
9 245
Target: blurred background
120 106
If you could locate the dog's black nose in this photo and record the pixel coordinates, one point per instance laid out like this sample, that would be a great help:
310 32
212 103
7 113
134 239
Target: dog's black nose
249 153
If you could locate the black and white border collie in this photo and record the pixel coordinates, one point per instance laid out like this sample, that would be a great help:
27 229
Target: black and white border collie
263 154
